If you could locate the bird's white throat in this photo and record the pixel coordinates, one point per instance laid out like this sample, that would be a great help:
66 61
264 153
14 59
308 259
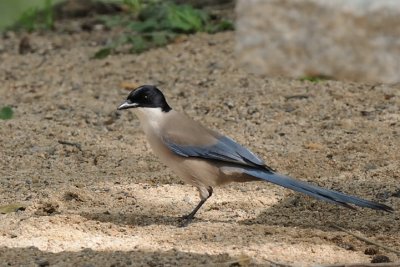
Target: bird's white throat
150 117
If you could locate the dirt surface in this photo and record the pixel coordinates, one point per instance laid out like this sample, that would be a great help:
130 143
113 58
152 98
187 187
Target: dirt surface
96 196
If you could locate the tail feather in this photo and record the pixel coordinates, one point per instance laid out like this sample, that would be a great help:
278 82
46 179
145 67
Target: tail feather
316 191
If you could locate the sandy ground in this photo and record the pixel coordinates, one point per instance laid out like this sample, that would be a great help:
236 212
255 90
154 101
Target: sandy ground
106 200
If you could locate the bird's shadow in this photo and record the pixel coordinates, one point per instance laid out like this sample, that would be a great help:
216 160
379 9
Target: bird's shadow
304 212
295 210
135 219
141 218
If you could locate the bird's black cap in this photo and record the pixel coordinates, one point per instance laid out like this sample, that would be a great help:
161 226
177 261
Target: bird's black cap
146 96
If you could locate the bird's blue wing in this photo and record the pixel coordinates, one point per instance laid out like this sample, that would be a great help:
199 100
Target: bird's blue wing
225 149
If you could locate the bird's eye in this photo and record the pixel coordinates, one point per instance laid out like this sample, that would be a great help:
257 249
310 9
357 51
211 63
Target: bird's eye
145 96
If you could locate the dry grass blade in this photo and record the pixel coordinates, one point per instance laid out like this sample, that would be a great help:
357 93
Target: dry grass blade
242 260
277 264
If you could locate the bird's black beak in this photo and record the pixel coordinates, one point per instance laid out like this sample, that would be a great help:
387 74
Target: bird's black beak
127 104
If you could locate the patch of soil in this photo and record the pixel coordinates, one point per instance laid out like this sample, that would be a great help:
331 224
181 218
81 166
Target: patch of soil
95 194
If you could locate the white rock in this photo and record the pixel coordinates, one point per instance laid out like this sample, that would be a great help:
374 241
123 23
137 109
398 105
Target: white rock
356 40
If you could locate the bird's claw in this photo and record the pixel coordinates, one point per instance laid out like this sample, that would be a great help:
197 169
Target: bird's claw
185 220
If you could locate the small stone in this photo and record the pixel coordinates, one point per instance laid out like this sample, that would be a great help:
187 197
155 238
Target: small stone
366 113
370 251
370 166
99 27
187 199
25 46
380 259
229 104
289 108
42 262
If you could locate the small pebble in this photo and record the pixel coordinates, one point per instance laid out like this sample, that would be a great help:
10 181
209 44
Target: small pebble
380 259
370 251
42 262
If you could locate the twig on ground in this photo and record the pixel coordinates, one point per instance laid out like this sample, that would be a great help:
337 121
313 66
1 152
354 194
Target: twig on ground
67 143
367 241
277 264
242 260
385 264
296 97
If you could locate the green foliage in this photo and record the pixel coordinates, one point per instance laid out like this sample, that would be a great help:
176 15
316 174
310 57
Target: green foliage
157 23
316 78
48 14
183 18
34 19
103 53
312 79
9 208
133 5
6 113
224 25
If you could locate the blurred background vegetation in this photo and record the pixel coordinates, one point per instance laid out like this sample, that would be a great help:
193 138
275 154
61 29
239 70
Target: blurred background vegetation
142 24
12 10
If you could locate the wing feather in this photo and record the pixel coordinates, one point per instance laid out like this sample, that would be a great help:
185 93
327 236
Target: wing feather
188 138
225 149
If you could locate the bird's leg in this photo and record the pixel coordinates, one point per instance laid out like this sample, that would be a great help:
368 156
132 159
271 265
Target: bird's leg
185 220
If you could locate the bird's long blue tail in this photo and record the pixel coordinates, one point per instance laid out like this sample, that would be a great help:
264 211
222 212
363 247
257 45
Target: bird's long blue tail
316 191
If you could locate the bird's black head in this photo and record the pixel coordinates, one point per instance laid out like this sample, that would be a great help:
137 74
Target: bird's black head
146 96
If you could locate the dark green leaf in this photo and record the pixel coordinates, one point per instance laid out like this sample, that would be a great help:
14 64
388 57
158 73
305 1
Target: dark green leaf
103 53
155 11
316 78
224 25
113 21
6 113
144 26
48 15
185 18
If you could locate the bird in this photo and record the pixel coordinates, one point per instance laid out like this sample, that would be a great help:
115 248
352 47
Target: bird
205 158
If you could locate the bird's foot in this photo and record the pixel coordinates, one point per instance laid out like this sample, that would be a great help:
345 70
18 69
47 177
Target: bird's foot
185 220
